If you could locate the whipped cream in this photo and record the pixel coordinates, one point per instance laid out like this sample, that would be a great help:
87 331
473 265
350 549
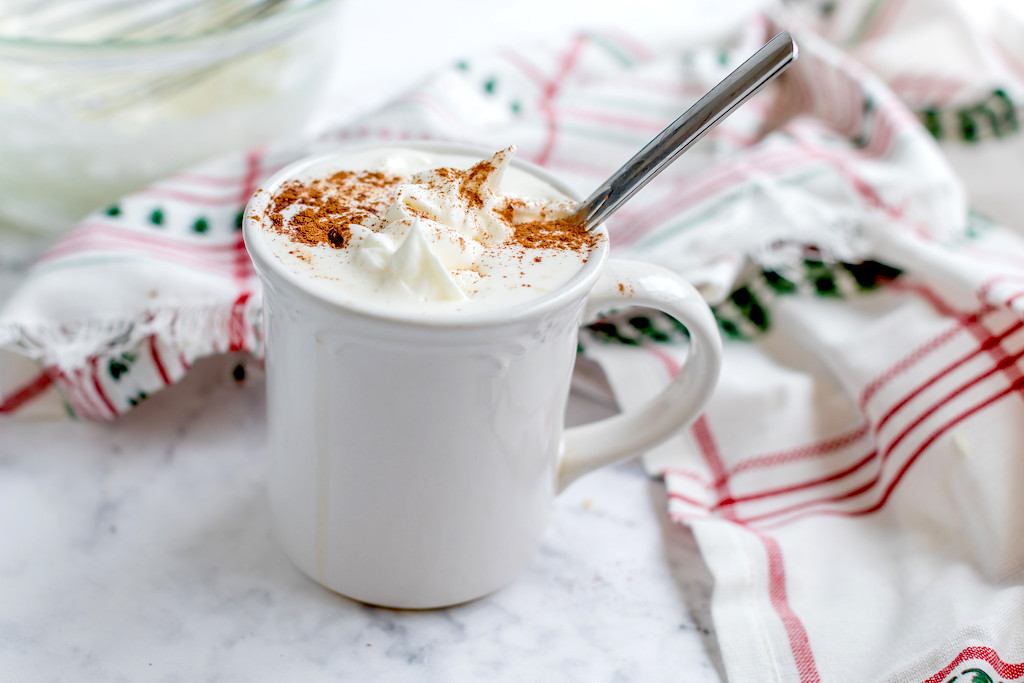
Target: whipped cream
414 229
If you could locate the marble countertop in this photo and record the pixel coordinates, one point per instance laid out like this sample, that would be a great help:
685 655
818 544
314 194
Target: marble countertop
142 551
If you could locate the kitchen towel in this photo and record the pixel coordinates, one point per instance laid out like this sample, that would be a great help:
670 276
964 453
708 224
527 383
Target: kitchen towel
853 484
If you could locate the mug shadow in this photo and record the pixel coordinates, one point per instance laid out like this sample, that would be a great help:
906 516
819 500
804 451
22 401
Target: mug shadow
682 554
690 572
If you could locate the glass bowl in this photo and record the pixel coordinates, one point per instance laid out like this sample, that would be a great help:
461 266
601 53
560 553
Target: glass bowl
83 122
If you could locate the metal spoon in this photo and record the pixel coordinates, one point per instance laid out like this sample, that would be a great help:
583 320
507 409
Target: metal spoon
705 114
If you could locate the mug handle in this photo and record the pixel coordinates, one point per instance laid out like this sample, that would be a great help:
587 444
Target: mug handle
590 446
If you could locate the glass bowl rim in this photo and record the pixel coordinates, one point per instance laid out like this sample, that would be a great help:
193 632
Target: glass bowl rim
290 14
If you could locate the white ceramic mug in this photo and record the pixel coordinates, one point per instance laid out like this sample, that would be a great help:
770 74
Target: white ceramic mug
413 462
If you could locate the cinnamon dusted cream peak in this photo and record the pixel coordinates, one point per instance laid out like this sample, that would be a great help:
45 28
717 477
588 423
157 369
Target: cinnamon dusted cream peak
410 228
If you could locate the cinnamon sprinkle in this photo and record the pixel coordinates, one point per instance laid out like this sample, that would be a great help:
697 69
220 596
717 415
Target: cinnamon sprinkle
561 233
323 209
472 182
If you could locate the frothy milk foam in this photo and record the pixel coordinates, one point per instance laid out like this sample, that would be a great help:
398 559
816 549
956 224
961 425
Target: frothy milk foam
414 229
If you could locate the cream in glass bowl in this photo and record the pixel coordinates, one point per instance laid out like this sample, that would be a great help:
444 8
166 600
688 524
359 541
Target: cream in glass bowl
101 97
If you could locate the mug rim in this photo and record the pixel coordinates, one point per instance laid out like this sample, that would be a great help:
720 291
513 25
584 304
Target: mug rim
268 267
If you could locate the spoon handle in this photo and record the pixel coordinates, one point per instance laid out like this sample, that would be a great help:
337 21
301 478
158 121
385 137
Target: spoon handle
719 102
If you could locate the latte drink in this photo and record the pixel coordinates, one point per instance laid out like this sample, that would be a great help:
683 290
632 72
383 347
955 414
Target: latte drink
421 232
